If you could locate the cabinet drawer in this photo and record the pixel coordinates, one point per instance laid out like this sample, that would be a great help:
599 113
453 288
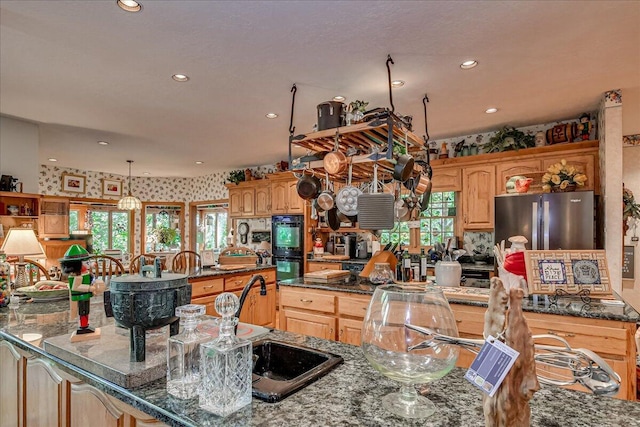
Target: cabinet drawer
319 266
307 300
269 275
601 339
206 287
353 305
233 283
209 302
469 320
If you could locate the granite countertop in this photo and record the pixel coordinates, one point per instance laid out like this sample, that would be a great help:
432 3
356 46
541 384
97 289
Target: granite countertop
564 306
360 261
212 272
349 395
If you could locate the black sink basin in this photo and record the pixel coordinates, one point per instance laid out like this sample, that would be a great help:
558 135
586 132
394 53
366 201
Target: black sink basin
280 369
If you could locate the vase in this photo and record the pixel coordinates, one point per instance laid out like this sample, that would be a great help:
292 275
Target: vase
567 189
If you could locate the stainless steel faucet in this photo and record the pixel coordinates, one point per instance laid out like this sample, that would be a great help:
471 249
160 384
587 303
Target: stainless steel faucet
247 288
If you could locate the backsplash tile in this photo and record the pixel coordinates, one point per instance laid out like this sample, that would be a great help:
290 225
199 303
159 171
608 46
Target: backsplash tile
478 240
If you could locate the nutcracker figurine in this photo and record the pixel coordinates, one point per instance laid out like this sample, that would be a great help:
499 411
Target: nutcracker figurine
82 288
585 126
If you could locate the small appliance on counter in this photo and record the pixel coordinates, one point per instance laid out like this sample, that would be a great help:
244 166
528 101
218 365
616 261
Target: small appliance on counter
345 245
361 250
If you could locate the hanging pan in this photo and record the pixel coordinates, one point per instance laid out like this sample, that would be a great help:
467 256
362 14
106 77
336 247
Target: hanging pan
308 186
335 162
375 210
332 219
347 197
326 199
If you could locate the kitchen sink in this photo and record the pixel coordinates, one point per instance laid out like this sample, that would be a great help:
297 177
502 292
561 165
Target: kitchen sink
280 369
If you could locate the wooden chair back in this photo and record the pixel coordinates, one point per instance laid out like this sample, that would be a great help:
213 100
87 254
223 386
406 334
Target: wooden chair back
105 267
134 266
187 262
34 271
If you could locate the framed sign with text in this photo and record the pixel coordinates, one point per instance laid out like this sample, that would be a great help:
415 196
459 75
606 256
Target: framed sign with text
570 271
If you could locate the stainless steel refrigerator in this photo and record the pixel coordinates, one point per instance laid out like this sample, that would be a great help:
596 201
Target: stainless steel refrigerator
548 220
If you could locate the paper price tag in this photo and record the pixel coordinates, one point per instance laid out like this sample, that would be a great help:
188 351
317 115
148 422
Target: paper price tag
413 224
491 366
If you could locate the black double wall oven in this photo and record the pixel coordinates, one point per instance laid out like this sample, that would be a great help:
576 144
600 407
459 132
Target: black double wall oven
287 235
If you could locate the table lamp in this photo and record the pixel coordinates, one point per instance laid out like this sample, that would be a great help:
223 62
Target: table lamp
22 242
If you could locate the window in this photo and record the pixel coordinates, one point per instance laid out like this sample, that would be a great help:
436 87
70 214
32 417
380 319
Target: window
437 222
108 226
399 234
162 228
211 225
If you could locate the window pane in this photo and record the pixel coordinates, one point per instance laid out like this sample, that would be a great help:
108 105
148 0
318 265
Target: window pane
100 230
73 221
437 223
120 231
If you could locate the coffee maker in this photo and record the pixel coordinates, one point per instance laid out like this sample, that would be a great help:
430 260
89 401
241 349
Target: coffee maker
345 244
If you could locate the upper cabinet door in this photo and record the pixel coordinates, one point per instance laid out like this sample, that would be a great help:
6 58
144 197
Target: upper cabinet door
478 191
235 202
247 202
54 217
263 200
279 192
295 203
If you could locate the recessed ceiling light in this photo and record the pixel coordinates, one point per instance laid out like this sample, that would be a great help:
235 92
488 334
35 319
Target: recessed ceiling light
467 65
129 5
53 160
397 83
199 162
271 115
491 110
146 173
339 98
103 143
180 77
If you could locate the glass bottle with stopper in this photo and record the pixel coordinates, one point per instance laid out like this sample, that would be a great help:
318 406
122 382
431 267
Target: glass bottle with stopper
226 364
183 353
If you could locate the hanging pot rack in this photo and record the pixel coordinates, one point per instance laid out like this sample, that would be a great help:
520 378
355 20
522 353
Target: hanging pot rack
377 137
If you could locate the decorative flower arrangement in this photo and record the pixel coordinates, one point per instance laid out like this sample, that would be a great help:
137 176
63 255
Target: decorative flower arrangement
560 176
631 208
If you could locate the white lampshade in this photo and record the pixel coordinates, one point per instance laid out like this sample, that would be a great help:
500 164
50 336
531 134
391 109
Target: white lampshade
22 242
129 203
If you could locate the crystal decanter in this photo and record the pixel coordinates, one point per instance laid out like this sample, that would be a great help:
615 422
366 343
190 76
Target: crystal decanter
183 353
226 364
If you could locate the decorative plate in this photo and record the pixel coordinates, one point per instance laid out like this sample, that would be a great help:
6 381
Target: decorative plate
46 295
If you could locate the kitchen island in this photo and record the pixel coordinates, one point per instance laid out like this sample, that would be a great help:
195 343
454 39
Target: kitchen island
336 310
348 395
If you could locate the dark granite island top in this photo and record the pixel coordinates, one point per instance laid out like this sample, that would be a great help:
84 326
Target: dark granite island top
213 272
349 395
564 306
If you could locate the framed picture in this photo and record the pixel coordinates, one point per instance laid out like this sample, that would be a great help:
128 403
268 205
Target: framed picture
73 183
111 187
207 258
570 271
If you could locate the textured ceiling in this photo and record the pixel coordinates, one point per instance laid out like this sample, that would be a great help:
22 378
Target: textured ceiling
88 71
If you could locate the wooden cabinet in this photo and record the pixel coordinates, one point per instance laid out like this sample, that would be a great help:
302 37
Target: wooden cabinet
54 217
25 208
285 199
314 325
44 391
257 309
350 331
90 406
308 312
509 169
585 163
319 266
478 191
11 363
55 249
263 200
446 179
241 200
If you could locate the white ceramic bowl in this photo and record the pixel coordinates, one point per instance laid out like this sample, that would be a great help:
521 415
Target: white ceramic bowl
32 339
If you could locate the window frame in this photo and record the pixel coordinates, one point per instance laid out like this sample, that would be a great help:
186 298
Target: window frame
143 222
84 205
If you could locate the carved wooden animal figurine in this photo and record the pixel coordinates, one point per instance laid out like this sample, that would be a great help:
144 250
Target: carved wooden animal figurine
495 316
509 407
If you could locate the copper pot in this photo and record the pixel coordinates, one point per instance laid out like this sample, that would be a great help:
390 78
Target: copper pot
335 162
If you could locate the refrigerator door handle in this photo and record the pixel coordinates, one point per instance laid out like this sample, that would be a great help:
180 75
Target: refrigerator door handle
545 224
534 226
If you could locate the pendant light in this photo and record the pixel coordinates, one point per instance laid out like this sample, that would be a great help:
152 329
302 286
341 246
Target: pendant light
129 202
